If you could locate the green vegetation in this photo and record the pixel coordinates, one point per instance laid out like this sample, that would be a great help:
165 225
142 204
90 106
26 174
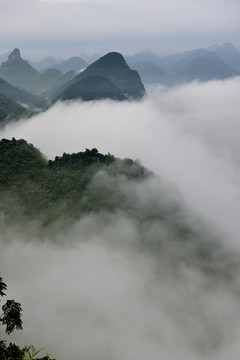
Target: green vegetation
10 110
14 352
93 87
54 194
49 80
11 317
107 78
123 83
45 194
19 73
21 96
65 188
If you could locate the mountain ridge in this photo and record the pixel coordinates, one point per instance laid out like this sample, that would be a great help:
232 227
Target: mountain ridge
113 67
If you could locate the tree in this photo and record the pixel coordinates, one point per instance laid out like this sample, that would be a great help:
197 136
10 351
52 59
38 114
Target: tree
11 316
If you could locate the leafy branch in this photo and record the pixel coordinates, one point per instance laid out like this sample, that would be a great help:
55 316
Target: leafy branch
11 316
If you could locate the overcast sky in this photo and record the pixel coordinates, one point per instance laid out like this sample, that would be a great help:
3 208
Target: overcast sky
68 27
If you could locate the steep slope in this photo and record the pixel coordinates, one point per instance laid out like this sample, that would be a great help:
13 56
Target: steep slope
229 55
204 69
18 71
93 87
89 183
11 110
50 79
20 95
74 63
113 67
167 61
45 63
179 65
150 73
51 190
143 56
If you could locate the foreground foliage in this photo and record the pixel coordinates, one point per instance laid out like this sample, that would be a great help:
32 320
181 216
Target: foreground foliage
11 316
14 352
32 187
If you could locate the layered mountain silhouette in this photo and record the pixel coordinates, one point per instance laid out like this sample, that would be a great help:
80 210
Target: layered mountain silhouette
110 72
45 63
91 88
50 80
18 71
144 56
11 110
21 96
74 63
24 89
151 73
112 76
229 55
205 68
214 62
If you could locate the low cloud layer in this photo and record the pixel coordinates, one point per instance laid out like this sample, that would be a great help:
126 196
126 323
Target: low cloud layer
188 135
92 291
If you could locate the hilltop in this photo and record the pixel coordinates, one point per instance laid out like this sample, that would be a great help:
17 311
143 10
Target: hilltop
116 76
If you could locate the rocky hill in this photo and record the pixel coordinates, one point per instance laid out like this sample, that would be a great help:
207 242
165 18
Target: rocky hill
113 68
18 71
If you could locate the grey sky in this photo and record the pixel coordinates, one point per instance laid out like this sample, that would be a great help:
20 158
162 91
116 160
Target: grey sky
69 27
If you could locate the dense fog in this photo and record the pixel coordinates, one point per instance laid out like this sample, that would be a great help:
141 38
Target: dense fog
97 290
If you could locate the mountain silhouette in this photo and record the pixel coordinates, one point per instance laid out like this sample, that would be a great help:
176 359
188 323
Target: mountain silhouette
113 68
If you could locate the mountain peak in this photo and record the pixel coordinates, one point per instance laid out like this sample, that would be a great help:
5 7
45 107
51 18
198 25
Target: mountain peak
228 45
109 72
15 55
111 60
113 55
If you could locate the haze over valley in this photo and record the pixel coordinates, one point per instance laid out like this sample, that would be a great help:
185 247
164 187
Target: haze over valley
188 137
120 180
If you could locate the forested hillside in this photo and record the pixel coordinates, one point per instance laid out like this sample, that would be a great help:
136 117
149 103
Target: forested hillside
59 189
72 186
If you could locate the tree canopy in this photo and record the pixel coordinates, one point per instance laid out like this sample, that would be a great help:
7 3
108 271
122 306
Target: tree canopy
11 316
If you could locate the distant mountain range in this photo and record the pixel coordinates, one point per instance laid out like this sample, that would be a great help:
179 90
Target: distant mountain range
217 62
44 64
27 87
20 73
229 55
151 73
75 63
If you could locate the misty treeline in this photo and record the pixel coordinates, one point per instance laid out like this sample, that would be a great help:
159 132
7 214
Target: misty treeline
64 190
88 197
34 188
